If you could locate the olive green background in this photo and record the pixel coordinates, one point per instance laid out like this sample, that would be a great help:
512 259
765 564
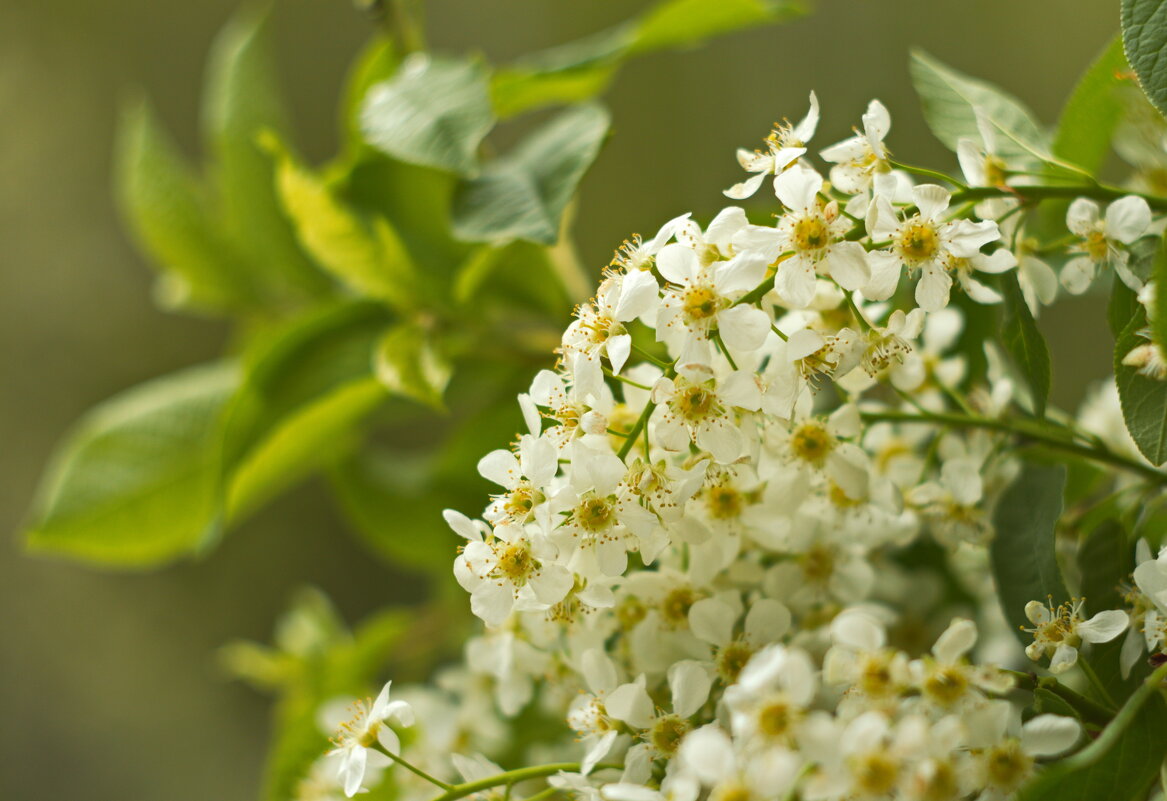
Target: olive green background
109 687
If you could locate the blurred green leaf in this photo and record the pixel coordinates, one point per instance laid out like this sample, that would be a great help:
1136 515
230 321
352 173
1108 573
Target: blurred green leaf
523 194
391 501
434 112
684 23
306 389
1118 766
361 249
1023 552
1123 306
952 100
581 70
1143 400
243 99
168 208
1023 339
409 363
1106 560
1144 35
517 273
376 63
1090 115
1158 319
136 483
305 441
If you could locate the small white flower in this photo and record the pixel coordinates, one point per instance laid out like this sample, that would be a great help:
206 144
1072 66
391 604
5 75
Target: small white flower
1104 240
857 160
356 740
784 146
1060 631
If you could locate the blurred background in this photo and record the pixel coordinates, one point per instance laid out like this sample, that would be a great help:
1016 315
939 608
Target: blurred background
109 688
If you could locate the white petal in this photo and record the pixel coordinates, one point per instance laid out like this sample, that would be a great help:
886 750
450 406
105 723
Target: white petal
847 264
1127 219
638 295
618 349
462 525
501 467
876 122
689 682
795 282
746 188
722 440
630 703
1104 626
798 188
857 630
956 641
1081 216
1078 274
677 263
744 328
931 199
708 752
1049 735
766 622
712 621
806 128
933 290
352 770
552 583
491 603
886 268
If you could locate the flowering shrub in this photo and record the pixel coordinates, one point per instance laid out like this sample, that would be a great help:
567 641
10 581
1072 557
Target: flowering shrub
791 516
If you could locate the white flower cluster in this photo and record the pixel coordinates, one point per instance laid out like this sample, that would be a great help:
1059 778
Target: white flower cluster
696 554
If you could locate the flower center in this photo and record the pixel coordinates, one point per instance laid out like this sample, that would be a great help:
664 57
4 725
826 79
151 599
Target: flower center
731 792
695 404
918 242
810 233
1097 248
776 718
875 675
946 685
667 733
723 503
1007 765
700 303
812 443
732 660
674 608
875 773
594 514
516 562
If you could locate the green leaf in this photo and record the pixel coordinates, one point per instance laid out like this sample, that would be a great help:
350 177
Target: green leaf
1143 400
1106 561
307 388
523 194
1123 307
581 70
1144 35
243 99
390 500
361 249
305 441
135 484
1093 111
1023 552
1159 276
1119 765
952 100
684 23
168 209
434 112
1022 338
376 63
408 363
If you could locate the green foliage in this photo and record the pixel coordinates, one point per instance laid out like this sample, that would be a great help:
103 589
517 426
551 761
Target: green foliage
1023 340
307 388
1088 119
523 195
1023 552
1143 400
434 112
1123 307
1144 35
408 362
242 100
136 483
953 101
1158 321
170 211
1118 766
581 70
361 249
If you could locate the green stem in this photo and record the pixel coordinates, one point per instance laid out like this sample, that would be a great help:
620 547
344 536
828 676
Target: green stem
405 25
939 176
724 350
1089 710
1098 454
1091 754
1038 193
408 766
511 777
641 423
648 357
857 312
1096 683
778 331
546 792
624 380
